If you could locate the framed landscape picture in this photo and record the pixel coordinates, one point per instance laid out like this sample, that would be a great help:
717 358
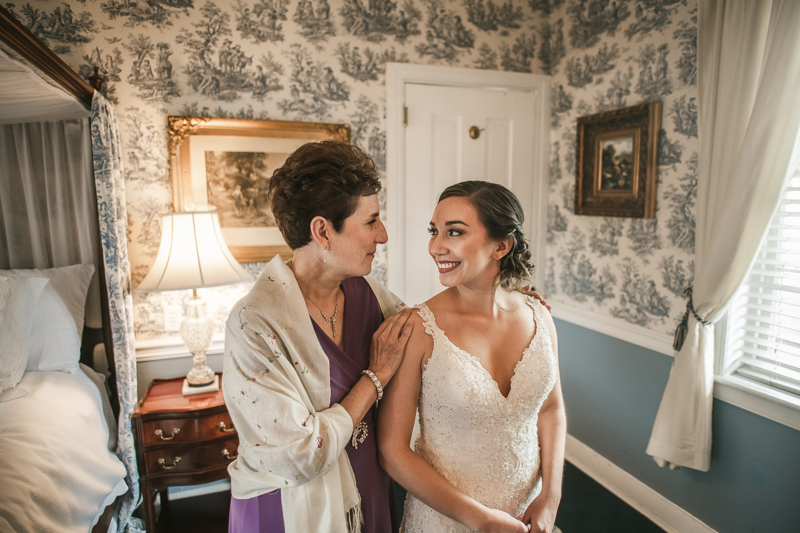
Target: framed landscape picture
617 162
227 164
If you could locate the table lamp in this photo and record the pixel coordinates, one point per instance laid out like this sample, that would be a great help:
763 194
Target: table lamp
193 254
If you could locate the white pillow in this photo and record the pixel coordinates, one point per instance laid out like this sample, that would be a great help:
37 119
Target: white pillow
19 297
58 319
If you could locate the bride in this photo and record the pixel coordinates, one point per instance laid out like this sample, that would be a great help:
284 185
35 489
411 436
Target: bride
482 366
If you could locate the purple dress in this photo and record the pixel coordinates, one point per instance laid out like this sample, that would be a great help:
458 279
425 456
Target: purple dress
362 317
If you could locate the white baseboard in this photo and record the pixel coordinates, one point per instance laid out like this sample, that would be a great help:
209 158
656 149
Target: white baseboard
613 327
632 491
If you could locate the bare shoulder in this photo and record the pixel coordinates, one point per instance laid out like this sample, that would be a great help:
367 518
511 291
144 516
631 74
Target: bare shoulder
440 302
518 303
517 299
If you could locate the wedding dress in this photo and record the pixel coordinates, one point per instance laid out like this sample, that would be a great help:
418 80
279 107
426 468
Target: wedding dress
484 444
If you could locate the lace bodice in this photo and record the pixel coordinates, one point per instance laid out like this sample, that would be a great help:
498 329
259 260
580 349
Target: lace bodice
483 443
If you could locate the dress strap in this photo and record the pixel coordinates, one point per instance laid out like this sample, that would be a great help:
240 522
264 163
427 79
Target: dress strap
541 330
536 305
429 321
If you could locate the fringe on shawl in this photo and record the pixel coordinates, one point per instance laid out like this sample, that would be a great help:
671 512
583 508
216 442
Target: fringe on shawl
355 518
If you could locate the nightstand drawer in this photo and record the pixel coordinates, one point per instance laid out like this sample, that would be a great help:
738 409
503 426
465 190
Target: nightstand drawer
180 440
185 430
180 459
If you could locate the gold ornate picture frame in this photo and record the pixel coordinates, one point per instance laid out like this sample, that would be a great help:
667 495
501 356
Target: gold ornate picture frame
227 164
617 162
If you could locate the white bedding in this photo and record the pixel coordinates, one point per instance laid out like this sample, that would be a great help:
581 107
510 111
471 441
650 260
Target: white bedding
56 471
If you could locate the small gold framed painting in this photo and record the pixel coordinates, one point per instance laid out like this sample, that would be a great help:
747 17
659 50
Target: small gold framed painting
617 162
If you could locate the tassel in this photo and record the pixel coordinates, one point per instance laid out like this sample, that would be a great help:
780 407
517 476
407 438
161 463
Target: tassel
680 333
683 327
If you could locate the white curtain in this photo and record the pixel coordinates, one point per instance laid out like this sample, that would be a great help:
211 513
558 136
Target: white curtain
43 181
749 115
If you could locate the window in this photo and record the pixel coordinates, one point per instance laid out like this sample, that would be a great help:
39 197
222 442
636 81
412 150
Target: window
763 341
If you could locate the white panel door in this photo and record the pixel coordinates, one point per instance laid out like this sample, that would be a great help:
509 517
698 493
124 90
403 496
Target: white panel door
439 152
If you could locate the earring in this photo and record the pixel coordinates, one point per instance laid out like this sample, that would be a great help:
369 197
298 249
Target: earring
325 255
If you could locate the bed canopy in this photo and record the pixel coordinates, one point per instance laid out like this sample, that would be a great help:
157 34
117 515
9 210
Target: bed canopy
62 202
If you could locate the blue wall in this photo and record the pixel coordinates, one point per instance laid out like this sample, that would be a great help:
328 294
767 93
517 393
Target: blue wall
612 391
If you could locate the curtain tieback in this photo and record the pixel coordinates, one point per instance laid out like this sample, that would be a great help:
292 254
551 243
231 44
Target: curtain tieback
683 327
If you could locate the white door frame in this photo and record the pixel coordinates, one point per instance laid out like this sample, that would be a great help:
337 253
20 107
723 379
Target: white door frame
397 76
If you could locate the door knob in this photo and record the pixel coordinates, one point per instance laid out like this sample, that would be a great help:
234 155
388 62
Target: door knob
475 132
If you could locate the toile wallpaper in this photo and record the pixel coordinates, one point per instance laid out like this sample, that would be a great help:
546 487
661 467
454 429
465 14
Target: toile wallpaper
323 60
609 55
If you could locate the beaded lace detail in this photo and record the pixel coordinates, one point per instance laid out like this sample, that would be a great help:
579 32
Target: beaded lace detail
482 442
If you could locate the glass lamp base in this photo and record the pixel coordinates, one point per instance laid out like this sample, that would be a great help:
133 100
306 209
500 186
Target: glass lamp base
196 331
201 374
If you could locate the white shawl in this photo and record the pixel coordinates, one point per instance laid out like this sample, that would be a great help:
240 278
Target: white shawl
276 383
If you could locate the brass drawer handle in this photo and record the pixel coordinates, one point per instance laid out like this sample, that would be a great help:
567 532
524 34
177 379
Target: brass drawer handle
222 428
163 463
227 455
160 434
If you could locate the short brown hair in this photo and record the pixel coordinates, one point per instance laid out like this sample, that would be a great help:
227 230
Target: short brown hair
324 179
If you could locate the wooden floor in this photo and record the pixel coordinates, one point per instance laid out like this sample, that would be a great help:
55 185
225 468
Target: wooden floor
201 514
586 507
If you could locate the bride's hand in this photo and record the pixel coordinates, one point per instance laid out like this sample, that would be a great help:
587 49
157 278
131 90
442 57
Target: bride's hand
501 522
540 516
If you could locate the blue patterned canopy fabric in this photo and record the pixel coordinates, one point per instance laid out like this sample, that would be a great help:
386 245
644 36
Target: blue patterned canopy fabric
111 205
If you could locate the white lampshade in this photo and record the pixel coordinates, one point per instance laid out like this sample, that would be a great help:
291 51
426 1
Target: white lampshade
193 254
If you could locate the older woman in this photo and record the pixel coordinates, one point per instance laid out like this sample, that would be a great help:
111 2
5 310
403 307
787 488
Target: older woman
307 354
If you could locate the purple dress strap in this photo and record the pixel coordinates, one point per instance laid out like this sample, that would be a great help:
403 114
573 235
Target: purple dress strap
362 317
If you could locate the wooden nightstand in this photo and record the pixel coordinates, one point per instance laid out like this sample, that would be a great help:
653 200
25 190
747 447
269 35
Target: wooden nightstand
180 440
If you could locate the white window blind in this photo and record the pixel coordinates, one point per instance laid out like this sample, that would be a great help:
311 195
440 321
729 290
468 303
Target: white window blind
764 323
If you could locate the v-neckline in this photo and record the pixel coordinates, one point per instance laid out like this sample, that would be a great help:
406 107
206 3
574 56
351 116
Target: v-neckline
477 360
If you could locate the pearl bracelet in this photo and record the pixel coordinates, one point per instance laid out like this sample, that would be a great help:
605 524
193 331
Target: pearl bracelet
376 381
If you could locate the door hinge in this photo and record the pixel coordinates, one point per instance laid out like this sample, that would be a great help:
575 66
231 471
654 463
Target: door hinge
405 116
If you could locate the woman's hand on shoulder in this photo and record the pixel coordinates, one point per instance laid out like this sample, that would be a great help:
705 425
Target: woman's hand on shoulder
533 294
389 344
501 522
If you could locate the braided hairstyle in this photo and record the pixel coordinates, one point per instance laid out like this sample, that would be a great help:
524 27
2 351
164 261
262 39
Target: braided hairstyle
501 214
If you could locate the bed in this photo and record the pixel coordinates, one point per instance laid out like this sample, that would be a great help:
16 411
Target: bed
62 467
